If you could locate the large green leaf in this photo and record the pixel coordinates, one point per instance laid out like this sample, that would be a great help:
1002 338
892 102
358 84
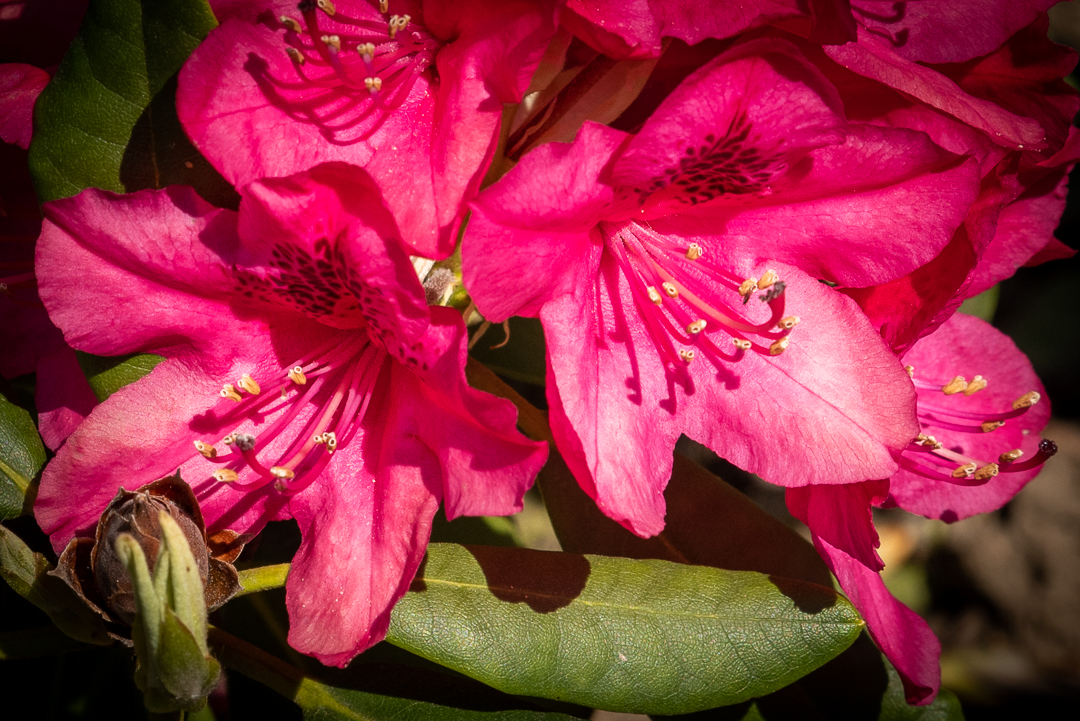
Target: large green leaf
21 457
107 375
614 633
108 118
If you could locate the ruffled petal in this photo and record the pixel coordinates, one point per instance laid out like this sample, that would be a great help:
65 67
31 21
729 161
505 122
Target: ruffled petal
842 516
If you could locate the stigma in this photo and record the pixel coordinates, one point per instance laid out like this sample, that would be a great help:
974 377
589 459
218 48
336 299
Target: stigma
940 410
295 421
691 305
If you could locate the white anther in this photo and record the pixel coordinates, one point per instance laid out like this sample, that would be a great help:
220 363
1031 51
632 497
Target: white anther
207 450
230 392
654 296
331 441
741 343
670 290
224 475
696 327
367 51
694 251
788 323
332 41
687 354
373 85
249 384
296 375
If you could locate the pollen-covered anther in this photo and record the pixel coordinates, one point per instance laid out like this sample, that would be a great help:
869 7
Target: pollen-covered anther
965 470
1010 456
1026 401
928 441
696 327
229 391
291 24
296 56
296 375
207 450
767 279
977 384
779 346
956 385
670 290
282 473
224 475
326 6
988 426
367 51
788 323
687 354
747 288
249 384
244 441
694 251
910 371
654 296
741 343
332 41
373 84
986 472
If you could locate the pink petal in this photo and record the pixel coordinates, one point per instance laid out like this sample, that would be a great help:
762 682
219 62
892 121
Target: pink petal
728 129
946 31
19 87
968 346
63 397
902 636
874 58
617 411
551 202
842 515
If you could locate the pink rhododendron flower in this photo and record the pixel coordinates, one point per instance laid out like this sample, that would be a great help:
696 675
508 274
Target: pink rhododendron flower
979 410
412 91
642 255
304 376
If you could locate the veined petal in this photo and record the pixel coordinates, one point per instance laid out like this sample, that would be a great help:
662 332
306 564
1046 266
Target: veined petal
842 515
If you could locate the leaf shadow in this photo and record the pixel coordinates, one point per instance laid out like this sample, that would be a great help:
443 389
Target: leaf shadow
543 580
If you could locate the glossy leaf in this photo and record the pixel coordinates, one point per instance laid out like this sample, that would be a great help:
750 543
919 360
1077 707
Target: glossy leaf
21 457
614 633
108 118
108 375
375 692
27 574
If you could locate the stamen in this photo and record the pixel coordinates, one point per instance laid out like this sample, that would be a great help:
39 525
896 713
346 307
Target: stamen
331 441
249 384
1010 456
788 323
654 296
332 41
977 384
767 279
207 450
775 292
283 473
742 343
398 22
373 85
910 371
956 385
296 375
687 354
295 55
694 251
989 426
779 346
965 470
326 6
1047 450
696 327
986 472
384 6
747 289
670 289
230 392
244 441
224 475
1026 401
291 24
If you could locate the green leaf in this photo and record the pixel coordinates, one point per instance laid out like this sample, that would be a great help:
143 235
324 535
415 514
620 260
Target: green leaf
368 692
107 375
522 356
614 633
22 456
108 118
983 305
27 574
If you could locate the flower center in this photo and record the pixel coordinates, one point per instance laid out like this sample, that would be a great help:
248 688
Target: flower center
374 61
680 292
928 457
319 401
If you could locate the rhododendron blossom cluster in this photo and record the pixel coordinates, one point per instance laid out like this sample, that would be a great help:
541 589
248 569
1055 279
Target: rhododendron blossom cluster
751 224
